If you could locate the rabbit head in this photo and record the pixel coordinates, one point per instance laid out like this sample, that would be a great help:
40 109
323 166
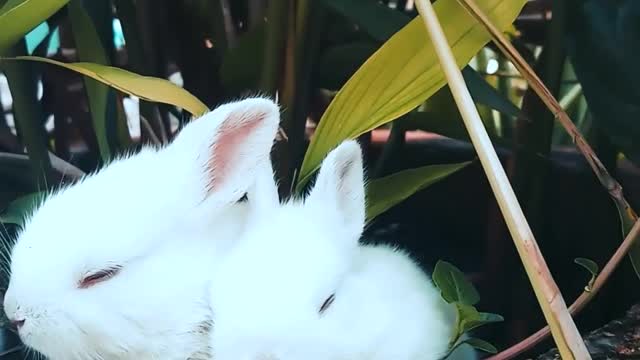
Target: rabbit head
279 281
116 266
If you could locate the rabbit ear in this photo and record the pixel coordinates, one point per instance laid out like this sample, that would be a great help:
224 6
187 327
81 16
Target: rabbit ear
263 195
339 187
228 146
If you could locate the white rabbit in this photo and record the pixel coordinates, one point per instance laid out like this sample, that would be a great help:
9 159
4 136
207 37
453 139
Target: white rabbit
117 266
298 285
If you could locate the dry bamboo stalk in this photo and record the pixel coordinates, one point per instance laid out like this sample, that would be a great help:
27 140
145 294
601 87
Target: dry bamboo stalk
563 329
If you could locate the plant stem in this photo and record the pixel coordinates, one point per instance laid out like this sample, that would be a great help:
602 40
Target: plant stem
529 167
277 24
394 143
135 50
581 301
300 52
563 329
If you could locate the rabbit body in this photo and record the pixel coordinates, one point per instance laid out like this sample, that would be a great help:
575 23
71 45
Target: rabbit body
299 285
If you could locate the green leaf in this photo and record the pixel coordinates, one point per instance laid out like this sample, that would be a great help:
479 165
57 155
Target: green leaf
475 343
376 19
592 267
338 63
18 17
440 115
145 87
480 345
22 207
381 22
386 192
610 78
609 75
402 74
90 50
28 113
485 94
453 284
469 318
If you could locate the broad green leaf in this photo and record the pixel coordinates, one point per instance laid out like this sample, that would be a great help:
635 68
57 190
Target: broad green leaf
28 113
453 284
469 318
400 75
377 19
473 342
18 17
18 209
439 115
609 75
483 93
90 50
481 345
610 78
386 192
145 87
592 268
381 22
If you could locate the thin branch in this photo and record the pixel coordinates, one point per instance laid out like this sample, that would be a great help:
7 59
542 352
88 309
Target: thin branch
147 127
563 329
607 181
581 301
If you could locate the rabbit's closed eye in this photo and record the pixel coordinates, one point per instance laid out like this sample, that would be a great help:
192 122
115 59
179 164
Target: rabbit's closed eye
327 303
98 277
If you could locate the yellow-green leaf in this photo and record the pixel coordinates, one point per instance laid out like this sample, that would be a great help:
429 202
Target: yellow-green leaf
145 87
403 73
18 17
386 192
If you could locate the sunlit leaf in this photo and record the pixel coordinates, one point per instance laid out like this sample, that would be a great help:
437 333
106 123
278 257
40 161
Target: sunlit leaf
384 193
145 87
18 17
400 75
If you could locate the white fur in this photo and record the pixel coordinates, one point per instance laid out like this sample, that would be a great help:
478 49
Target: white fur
267 293
165 215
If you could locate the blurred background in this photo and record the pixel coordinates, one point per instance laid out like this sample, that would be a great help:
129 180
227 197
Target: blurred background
586 51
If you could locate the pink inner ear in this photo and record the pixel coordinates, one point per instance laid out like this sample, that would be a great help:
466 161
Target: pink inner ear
226 150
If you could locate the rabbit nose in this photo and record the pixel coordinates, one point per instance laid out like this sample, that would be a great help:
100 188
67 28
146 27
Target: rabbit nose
17 323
